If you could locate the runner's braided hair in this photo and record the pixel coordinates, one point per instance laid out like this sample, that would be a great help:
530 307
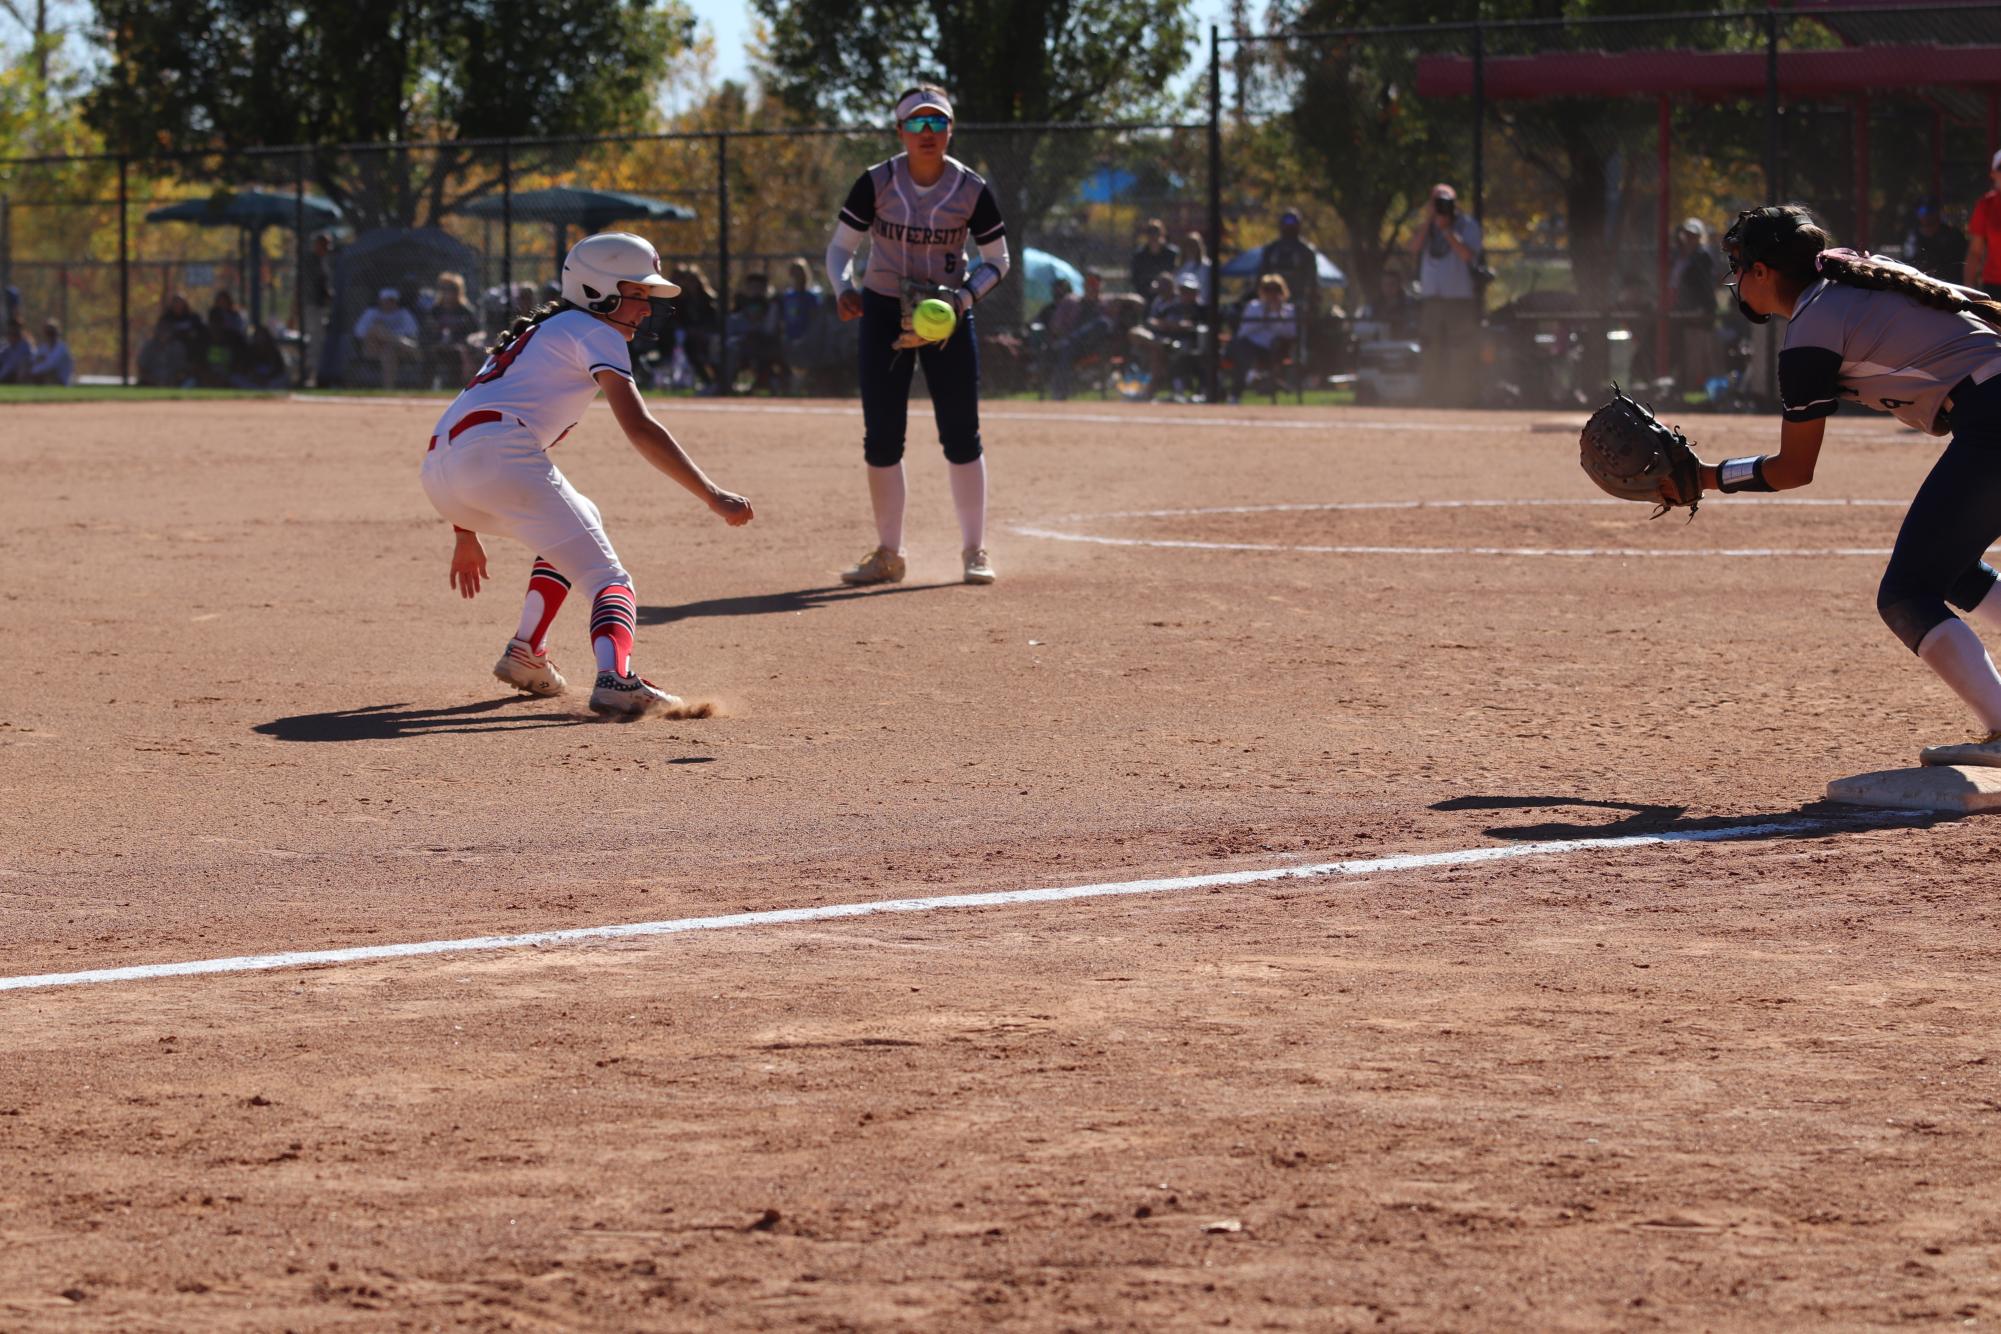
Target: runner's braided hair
1788 241
524 323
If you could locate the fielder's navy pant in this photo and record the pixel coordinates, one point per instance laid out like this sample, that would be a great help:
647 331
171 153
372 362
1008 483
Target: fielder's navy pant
951 369
1953 519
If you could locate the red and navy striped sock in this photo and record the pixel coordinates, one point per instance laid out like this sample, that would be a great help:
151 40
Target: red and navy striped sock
614 616
546 591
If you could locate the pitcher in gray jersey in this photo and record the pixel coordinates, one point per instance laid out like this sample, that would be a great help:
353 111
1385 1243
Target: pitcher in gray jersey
918 212
1868 330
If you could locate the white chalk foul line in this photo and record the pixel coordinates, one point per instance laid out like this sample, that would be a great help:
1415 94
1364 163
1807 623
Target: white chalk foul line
1185 544
255 963
1196 416
1575 552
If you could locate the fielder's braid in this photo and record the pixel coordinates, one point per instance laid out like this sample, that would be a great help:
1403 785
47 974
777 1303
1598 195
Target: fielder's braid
1867 271
524 323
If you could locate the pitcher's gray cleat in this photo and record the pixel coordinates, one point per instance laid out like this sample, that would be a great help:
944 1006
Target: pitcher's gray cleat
979 570
881 566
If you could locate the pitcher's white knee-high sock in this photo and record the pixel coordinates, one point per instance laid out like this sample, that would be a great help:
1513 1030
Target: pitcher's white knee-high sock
886 498
1953 651
969 497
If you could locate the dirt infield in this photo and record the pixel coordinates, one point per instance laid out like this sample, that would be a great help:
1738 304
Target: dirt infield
1746 1080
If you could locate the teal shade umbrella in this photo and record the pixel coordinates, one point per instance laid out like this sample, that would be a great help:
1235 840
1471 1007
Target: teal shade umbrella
570 206
567 206
251 211
1039 272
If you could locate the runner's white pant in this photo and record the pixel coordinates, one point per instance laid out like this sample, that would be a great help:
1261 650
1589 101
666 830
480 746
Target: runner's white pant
495 479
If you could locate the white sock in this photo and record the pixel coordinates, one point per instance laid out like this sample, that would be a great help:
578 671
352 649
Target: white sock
1953 651
885 495
1988 610
969 497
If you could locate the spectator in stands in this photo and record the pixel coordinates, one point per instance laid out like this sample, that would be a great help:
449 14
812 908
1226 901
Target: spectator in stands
319 288
227 336
1935 246
10 297
799 317
261 364
525 299
171 355
1077 328
1171 338
452 351
695 325
1292 259
1983 237
17 355
387 334
1447 250
1693 283
1195 263
53 363
1392 311
1266 334
1057 317
755 341
1154 256
799 302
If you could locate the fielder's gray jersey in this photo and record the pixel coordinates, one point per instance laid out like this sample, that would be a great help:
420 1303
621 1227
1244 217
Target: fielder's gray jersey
919 232
1882 350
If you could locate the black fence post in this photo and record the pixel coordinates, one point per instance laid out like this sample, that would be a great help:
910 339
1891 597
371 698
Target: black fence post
6 240
507 231
1213 370
1479 120
1772 184
299 263
124 282
725 373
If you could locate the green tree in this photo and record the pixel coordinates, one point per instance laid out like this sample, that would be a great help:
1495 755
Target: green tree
1375 147
226 75
1005 61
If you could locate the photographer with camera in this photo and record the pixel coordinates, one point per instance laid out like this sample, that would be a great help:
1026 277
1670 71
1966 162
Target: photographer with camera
1447 250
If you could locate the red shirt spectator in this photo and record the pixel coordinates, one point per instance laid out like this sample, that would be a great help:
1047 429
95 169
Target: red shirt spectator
1983 236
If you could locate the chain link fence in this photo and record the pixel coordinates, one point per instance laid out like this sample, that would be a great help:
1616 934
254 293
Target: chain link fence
1603 158
1585 149
169 278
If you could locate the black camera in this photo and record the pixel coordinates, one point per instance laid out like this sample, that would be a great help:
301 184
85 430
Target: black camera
1442 206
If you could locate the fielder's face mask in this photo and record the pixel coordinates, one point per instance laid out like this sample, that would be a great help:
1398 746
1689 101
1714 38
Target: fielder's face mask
1757 235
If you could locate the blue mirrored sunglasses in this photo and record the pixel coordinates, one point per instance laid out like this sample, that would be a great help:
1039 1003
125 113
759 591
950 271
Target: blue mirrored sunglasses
919 124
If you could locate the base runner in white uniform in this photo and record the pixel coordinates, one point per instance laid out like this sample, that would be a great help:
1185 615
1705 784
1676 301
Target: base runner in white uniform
488 469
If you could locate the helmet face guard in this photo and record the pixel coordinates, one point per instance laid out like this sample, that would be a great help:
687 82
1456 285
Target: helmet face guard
1756 236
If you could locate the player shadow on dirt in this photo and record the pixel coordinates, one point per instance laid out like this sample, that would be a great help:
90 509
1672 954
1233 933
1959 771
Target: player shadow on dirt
777 604
391 722
1813 819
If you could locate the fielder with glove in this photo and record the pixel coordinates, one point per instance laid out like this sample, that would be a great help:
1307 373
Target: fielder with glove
1866 330
918 211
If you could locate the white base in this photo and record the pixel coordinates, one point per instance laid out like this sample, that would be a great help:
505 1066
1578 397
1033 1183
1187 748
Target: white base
1963 787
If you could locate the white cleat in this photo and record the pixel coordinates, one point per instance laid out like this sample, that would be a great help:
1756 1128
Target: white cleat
979 570
521 668
630 696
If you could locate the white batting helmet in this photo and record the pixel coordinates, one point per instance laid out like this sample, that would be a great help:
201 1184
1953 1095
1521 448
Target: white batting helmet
597 264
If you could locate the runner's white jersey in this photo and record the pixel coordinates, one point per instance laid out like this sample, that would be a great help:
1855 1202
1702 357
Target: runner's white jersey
545 378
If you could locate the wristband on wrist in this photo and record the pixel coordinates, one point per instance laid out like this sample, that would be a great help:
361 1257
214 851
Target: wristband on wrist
1745 474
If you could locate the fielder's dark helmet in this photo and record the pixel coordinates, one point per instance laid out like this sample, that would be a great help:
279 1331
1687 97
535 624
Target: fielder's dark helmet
1769 236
